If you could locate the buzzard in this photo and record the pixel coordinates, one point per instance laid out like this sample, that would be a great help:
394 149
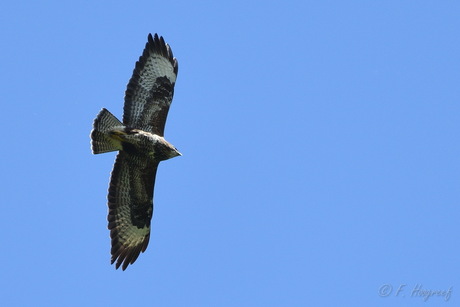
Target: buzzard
141 146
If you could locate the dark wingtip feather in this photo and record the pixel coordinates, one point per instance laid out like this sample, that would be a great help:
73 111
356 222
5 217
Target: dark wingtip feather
158 45
126 255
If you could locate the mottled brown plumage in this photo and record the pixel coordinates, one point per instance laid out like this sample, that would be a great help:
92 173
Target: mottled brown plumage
139 140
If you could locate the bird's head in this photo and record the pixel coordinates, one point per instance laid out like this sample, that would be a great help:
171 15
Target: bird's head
174 152
165 150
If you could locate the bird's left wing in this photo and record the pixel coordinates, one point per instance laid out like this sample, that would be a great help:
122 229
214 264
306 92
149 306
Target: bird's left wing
130 203
151 88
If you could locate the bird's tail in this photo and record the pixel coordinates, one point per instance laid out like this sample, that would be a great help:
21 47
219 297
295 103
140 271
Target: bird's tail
104 126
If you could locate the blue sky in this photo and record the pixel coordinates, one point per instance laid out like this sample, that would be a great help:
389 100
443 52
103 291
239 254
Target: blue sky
320 151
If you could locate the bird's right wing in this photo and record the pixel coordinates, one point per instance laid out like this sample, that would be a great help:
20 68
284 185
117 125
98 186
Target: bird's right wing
151 88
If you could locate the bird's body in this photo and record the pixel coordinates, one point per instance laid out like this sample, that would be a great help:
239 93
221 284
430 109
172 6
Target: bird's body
141 145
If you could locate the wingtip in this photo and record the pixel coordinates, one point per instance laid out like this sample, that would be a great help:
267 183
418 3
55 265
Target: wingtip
150 38
157 44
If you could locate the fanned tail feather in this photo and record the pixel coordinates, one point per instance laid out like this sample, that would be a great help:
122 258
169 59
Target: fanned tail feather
101 140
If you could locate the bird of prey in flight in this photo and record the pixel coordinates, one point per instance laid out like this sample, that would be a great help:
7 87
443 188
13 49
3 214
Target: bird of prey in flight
140 143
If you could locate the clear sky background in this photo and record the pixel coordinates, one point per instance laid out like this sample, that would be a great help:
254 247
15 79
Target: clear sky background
320 144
